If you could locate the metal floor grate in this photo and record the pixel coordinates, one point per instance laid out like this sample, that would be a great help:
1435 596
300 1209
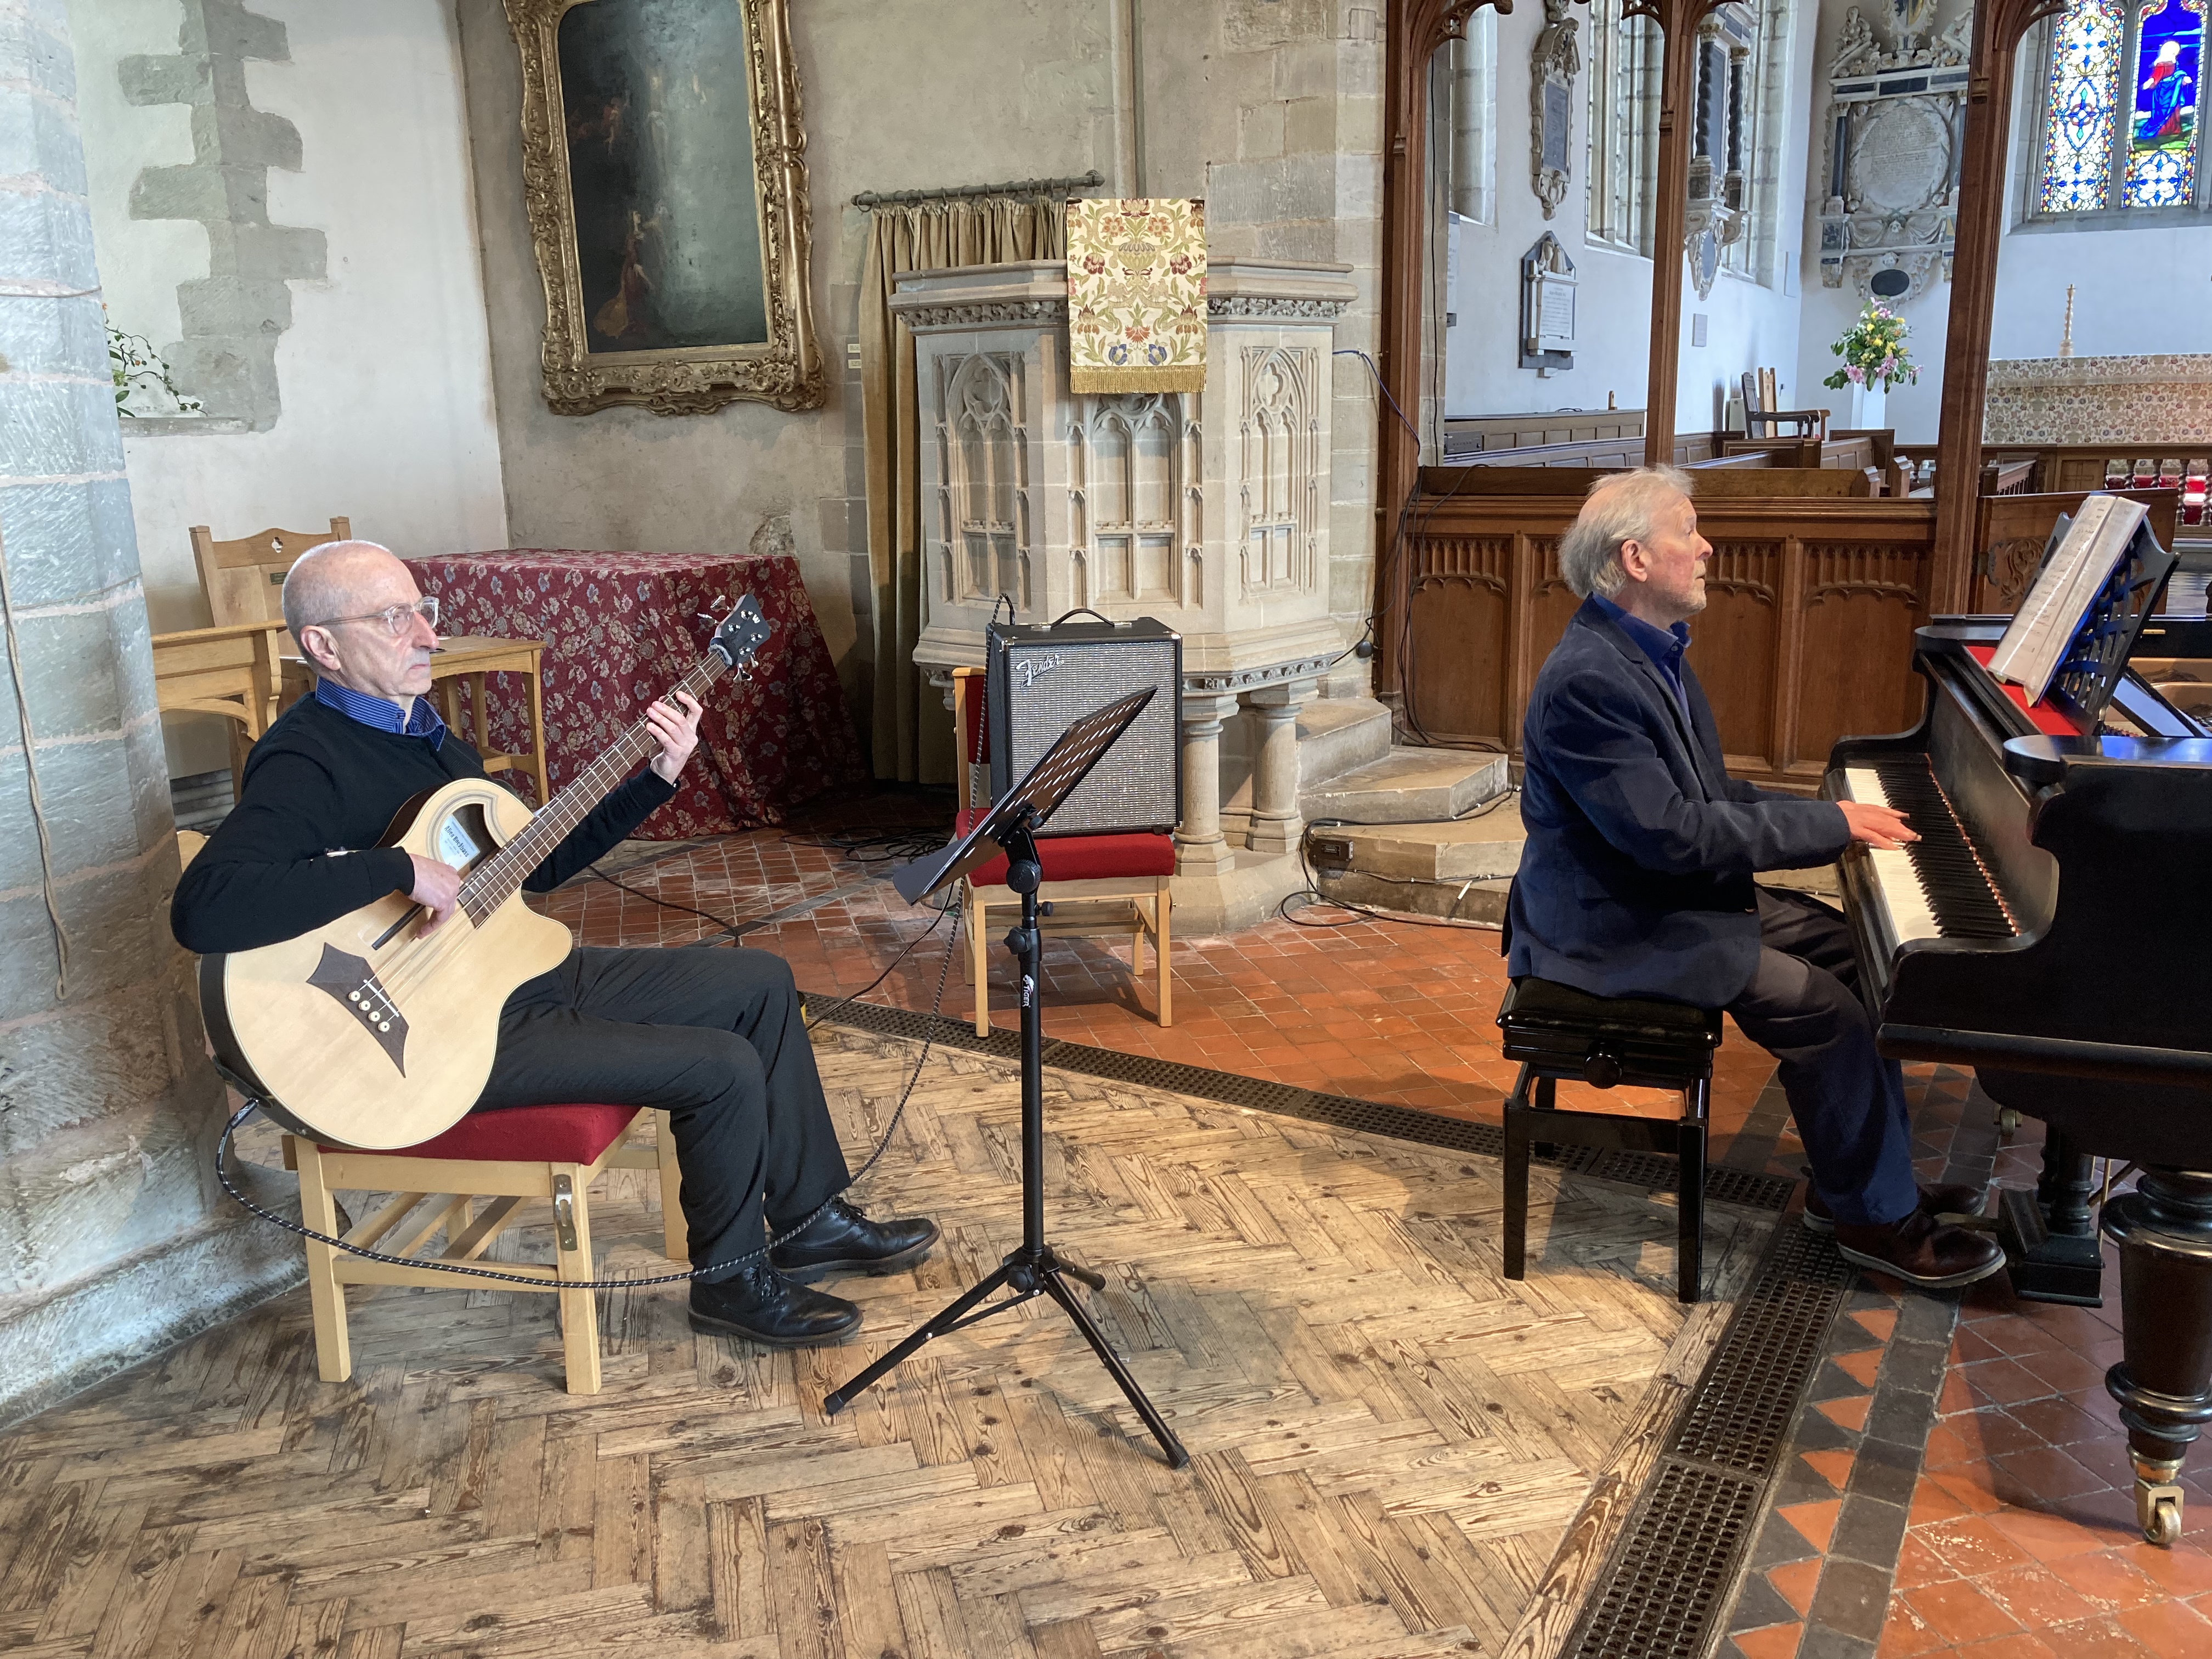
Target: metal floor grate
1670 1577
1664 1598
1652 1173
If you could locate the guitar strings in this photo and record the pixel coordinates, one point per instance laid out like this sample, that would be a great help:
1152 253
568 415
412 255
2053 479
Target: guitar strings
419 956
253 1100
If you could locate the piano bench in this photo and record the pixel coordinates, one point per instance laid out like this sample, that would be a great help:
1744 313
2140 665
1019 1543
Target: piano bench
1557 1031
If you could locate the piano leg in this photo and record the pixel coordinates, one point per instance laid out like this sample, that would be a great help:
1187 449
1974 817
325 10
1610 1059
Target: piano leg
2164 1381
2049 1236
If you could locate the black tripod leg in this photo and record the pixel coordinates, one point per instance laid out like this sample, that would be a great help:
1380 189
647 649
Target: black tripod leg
1049 1278
950 1315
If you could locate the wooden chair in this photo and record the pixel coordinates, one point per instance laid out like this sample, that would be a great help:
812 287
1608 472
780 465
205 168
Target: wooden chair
551 1153
232 672
1761 419
244 580
1095 886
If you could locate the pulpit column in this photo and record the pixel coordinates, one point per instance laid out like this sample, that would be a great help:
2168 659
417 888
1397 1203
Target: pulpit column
1276 824
1200 848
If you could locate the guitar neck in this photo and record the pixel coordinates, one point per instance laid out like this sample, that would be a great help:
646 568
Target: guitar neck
499 877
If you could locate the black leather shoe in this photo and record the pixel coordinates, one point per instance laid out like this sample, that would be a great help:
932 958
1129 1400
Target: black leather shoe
1925 1255
763 1306
1964 1199
844 1241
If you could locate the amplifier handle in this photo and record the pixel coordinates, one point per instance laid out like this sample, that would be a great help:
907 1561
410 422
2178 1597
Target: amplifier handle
1082 610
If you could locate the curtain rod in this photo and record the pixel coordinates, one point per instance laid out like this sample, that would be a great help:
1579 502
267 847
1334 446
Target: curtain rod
869 198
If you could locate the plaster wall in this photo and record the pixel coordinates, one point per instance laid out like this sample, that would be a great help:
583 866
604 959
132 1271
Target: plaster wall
384 370
1749 324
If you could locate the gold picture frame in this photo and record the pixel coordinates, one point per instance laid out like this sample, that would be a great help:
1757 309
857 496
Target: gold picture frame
635 155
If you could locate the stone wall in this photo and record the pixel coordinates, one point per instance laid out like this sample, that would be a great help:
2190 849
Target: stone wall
113 1241
281 203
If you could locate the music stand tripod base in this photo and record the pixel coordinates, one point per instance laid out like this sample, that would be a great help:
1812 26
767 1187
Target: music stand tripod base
1034 1268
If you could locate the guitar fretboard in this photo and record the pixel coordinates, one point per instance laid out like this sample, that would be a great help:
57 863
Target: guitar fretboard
498 878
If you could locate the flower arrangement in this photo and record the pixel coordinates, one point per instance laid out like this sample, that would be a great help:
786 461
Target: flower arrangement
1873 350
137 369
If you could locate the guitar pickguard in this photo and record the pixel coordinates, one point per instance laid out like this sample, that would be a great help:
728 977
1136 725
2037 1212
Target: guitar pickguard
353 983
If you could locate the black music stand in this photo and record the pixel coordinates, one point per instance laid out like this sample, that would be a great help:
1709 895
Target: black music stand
1034 1268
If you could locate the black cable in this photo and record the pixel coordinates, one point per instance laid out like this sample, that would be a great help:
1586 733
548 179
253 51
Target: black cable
461 1269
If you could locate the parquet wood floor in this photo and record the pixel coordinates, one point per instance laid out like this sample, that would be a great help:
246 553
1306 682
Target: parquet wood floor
1390 1439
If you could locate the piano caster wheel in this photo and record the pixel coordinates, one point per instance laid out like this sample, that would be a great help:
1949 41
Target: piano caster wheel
2007 1120
2159 1510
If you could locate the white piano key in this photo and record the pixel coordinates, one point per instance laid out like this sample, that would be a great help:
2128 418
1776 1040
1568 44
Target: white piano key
1904 900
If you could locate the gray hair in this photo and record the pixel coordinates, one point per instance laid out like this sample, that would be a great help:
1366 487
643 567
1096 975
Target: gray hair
1622 507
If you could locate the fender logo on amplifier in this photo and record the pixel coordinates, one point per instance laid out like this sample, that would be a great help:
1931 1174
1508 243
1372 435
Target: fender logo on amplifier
1033 669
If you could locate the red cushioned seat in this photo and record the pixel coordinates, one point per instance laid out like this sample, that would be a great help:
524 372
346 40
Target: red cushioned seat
537 1134
1082 858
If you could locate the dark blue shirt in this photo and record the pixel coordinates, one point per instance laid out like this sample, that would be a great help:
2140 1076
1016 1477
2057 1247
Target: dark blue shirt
1664 645
383 713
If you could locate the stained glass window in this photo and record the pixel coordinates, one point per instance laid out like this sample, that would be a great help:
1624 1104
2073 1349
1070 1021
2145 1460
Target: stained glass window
2083 93
2162 127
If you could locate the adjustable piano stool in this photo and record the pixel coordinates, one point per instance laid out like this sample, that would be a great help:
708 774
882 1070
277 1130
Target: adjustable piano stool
1557 1031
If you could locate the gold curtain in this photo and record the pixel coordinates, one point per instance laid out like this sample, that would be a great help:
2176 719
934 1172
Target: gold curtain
911 734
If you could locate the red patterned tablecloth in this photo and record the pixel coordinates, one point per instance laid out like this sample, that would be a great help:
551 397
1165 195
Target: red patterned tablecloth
619 629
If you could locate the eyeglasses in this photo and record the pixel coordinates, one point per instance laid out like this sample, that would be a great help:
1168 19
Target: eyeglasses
393 616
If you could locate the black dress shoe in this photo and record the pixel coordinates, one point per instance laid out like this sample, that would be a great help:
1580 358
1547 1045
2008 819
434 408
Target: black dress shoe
763 1306
844 1241
1925 1255
1963 1198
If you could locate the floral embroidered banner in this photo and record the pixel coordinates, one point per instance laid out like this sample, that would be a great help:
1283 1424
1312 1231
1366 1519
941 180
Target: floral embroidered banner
1136 294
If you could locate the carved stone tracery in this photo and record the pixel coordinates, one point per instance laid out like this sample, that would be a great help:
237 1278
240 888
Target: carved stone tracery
1553 66
1896 129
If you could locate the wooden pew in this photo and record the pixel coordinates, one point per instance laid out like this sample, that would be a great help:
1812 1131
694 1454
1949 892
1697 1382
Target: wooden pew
2011 532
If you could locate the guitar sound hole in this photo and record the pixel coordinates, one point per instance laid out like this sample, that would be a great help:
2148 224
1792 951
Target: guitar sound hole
464 839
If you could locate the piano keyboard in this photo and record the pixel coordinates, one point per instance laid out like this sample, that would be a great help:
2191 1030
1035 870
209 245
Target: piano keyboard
1935 887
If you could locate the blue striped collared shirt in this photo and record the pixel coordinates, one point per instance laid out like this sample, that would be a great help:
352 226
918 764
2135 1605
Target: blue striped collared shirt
383 713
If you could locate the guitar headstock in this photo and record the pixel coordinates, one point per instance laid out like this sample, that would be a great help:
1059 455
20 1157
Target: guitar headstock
741 634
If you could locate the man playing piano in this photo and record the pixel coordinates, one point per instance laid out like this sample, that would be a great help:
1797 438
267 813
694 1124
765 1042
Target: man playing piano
1635 879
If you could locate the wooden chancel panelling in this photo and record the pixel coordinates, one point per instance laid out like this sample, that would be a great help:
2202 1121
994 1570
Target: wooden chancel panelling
1389 1441
1807 636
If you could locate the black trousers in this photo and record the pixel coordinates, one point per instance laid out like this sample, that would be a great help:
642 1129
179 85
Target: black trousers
711 1037
1802 1007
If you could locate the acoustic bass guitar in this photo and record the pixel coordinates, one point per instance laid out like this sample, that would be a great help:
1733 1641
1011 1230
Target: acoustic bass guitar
369 1032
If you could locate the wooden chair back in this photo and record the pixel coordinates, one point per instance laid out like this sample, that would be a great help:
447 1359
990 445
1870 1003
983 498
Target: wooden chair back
972 771
244 580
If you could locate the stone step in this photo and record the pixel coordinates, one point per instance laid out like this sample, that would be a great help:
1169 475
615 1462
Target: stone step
1456 901
1337 734
1481 846
1407 786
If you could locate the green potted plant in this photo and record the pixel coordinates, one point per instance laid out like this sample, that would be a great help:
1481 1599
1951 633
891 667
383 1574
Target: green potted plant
1875 360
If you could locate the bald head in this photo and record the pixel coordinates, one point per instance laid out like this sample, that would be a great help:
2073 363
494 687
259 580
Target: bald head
342 579
337 598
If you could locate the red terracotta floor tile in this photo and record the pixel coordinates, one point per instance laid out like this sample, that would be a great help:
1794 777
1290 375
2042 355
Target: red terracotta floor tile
1918 1565
1769 1641
2022 1646
1971 1546
2108 1582
2035 1595
2095 1639
1960 1613
2169 1627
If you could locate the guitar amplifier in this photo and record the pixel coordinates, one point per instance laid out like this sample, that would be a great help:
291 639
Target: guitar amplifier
1038 680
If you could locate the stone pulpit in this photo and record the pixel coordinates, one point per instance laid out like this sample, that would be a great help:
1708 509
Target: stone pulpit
1209 511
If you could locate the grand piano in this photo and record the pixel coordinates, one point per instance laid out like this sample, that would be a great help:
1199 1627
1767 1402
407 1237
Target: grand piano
2052 929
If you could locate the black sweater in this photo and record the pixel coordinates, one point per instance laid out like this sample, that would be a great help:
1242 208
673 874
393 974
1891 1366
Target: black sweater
320 784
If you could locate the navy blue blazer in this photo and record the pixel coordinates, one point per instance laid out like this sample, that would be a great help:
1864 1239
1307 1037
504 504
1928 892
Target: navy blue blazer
1636 878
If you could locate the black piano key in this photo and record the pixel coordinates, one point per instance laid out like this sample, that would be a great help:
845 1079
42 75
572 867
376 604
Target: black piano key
1954 879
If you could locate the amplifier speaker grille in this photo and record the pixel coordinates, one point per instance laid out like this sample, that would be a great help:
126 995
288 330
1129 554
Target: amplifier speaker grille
1041 679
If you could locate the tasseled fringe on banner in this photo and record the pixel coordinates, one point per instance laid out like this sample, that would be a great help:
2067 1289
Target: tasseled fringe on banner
1189 377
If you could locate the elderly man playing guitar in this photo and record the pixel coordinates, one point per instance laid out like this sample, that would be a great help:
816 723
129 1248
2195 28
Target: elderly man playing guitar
714 1038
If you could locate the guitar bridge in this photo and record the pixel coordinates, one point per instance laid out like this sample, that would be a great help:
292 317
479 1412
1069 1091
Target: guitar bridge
353 983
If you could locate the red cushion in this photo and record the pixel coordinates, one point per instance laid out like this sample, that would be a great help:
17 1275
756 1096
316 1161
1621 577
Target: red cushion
536 1134
1082 857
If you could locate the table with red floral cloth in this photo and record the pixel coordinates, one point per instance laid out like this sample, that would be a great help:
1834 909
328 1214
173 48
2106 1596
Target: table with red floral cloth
621 629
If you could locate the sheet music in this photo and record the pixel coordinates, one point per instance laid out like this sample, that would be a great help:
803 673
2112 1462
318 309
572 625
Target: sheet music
2048 619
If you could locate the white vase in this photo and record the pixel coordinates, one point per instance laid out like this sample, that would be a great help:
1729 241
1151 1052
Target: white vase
1869 410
